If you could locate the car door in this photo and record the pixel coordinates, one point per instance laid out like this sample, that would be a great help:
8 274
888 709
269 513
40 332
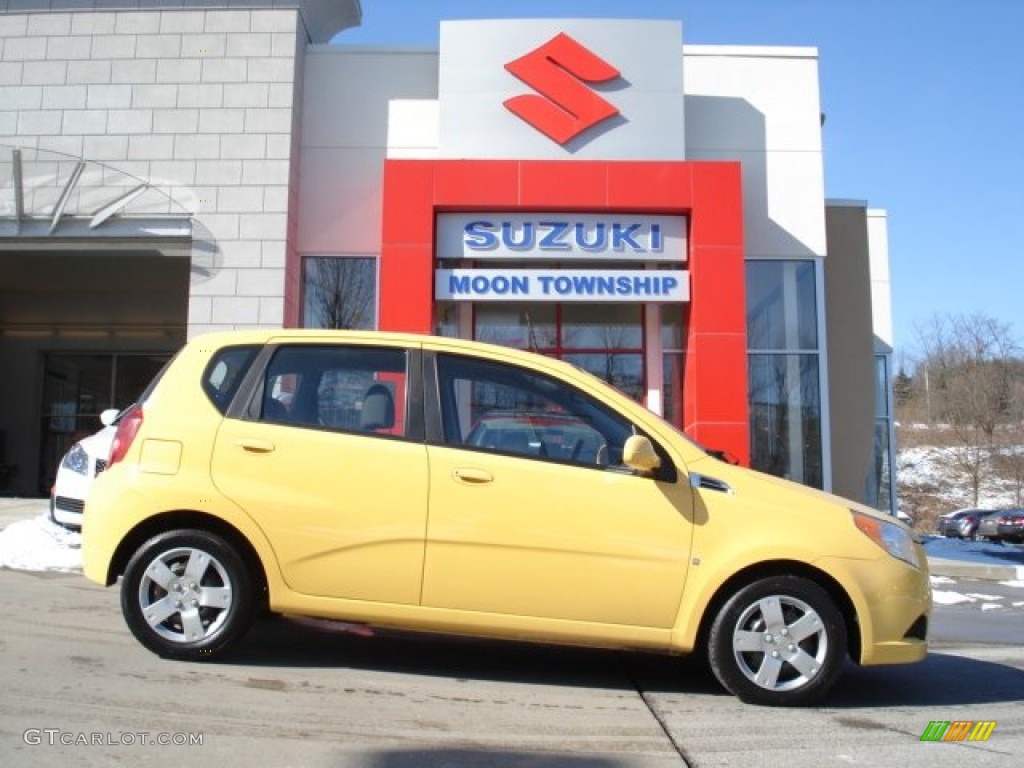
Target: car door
560 531
328 458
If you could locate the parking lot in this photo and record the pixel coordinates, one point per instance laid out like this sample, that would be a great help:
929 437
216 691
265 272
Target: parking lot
79 689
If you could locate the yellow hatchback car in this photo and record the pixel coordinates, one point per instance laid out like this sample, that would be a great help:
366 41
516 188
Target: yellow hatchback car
342 475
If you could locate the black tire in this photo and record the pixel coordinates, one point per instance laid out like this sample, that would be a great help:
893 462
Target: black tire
780 641
187 594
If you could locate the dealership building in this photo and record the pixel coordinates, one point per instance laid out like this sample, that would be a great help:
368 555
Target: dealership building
596 190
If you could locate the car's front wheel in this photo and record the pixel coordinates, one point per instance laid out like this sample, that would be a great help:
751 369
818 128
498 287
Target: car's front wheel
187 594
779 641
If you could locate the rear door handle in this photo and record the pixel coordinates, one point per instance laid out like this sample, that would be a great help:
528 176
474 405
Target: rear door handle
472 476
254 445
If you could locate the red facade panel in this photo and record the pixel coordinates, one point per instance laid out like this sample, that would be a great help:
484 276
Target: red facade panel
708 193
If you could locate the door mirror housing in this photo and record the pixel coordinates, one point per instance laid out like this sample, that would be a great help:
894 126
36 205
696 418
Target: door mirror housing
639 454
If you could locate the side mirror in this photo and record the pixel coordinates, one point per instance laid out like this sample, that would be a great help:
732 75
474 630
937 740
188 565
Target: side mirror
639 454
108 416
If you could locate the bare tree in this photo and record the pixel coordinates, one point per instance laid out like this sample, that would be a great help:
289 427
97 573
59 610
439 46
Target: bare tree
339 292
1010 439
967 366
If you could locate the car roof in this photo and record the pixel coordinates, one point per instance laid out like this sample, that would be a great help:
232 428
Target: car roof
219 339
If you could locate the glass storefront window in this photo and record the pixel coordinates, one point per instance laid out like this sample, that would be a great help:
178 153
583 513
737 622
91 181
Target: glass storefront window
784 370
623 370
602 326
672 327
446 319
672 388
522 326
339 292
785 417
605 340
879 482
782 308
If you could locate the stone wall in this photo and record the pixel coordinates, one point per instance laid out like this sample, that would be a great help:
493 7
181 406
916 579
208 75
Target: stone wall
200 103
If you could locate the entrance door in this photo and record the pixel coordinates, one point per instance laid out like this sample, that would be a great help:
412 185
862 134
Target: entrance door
637 348
77 388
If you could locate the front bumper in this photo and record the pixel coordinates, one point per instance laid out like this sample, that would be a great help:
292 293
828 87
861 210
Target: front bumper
893 602
67 511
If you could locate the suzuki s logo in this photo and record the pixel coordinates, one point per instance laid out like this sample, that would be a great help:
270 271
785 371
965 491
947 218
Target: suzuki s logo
558 70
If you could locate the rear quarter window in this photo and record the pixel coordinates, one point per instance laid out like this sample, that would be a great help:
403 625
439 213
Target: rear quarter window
225 372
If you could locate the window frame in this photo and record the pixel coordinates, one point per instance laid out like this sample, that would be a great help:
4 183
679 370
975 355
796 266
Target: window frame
372 260
249 405
438 400
221 400
793 348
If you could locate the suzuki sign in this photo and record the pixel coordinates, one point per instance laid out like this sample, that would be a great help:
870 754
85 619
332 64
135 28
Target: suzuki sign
565 89
533 244
561 236
558 71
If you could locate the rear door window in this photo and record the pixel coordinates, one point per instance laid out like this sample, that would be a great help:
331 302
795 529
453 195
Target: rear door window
356 389
225 372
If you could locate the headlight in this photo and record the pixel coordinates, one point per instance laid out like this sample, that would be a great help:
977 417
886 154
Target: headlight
77 460
893 538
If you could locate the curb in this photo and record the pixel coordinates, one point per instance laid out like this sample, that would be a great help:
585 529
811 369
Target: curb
959 569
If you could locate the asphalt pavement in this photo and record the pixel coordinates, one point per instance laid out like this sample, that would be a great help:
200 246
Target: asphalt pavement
946 557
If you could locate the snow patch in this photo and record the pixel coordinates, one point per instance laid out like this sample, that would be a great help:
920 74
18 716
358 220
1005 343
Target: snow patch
933 469
950 598
39 544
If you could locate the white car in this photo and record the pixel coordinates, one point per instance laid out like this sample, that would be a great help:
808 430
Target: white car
79 467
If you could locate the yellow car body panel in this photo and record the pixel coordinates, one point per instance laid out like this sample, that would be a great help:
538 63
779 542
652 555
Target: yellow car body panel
492 548
781 521
426 536
341 524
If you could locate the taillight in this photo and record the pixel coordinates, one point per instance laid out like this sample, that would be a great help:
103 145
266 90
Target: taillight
127 428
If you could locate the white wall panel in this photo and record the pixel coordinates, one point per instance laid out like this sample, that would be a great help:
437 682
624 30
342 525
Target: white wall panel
340 200
881 286
743 99
413 129
346 93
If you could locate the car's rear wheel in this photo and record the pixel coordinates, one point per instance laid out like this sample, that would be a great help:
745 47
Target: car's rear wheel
187 594
779 641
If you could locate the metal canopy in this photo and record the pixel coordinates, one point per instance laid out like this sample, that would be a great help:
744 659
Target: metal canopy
48 195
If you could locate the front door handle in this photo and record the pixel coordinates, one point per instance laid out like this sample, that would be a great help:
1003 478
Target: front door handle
254 445
472 476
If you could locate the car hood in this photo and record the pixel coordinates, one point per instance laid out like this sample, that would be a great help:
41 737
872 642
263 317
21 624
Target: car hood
778 491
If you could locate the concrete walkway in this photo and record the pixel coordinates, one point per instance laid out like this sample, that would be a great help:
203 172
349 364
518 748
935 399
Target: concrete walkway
14 509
